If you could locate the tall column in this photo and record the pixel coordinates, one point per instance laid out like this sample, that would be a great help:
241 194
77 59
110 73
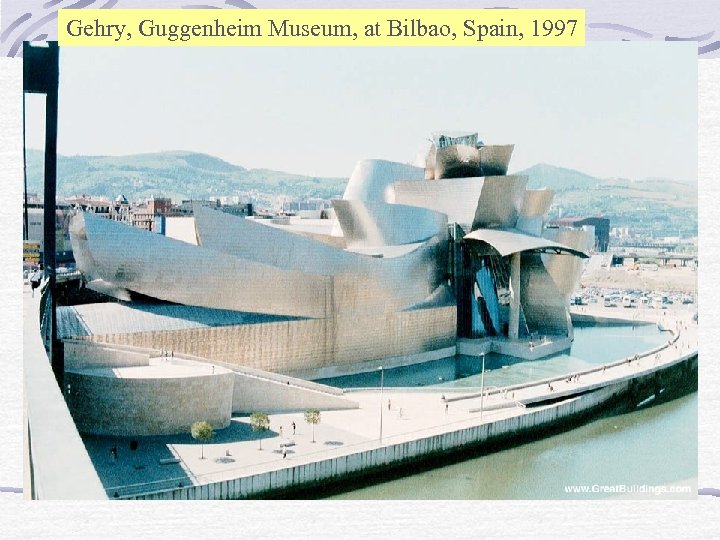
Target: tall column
40 76
514 323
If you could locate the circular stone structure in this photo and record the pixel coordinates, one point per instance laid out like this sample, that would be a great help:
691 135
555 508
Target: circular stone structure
164 397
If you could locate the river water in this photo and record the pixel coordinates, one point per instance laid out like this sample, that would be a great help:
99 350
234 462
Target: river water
649 447
593 345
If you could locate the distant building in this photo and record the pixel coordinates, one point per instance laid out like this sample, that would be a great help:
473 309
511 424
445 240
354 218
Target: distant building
601 225
34 248
148 216
244 210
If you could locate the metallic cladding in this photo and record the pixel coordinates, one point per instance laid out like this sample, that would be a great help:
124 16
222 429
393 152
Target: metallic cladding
507 242
463 160
366 223
542 304
566 271
500 201
456 198
175 271
371 177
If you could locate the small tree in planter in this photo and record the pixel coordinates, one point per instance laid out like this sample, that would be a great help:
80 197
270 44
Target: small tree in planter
203 432
312 416
259 421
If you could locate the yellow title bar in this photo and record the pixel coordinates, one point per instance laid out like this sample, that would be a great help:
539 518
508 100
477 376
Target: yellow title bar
321 27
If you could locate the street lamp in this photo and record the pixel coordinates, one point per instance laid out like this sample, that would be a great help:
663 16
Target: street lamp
382 381
482 384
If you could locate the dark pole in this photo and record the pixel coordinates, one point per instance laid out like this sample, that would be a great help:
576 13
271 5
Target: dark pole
50 208
41 75
26 232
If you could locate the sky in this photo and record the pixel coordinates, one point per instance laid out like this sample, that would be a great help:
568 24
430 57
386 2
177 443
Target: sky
608 109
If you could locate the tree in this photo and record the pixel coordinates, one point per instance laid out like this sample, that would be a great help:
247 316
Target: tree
203 432
312 416
259 421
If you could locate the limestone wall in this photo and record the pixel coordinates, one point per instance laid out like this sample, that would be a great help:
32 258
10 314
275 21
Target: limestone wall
255 394
109 405
361 460
79 355
308 344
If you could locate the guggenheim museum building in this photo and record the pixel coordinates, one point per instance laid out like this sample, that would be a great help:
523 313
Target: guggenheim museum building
413 263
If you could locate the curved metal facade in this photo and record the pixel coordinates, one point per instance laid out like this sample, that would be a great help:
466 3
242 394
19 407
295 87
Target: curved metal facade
382 287
456 198
367 223
371 177
171 270
566 271
463 160
500 200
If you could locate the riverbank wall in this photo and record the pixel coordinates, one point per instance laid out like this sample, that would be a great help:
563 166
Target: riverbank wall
438 445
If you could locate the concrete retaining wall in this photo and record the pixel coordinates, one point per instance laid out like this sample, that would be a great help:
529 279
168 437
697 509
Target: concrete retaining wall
299 346
255 394
406 449
148 406
364 458
82 354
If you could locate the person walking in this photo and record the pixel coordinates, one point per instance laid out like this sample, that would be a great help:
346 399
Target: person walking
293 426
35 282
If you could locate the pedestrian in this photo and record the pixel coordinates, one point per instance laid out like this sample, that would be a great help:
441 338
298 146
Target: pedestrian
446 407
35 282
388 404
293 426
284 452
113 452
281 431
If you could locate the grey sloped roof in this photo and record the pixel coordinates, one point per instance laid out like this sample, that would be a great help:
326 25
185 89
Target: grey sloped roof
509 241
121 318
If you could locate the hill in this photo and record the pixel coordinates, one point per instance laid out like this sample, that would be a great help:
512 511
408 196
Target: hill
656 206
558 178
180 175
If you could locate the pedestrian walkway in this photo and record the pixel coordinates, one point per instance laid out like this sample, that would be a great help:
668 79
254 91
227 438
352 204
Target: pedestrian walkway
403 414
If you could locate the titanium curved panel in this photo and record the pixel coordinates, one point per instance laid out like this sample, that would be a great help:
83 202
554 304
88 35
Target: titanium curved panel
359 282
247 239
507 242
457 161
567 271
494 159
380 224
175 271
542 304
536 202
430 163
371 177
500 200
455 198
